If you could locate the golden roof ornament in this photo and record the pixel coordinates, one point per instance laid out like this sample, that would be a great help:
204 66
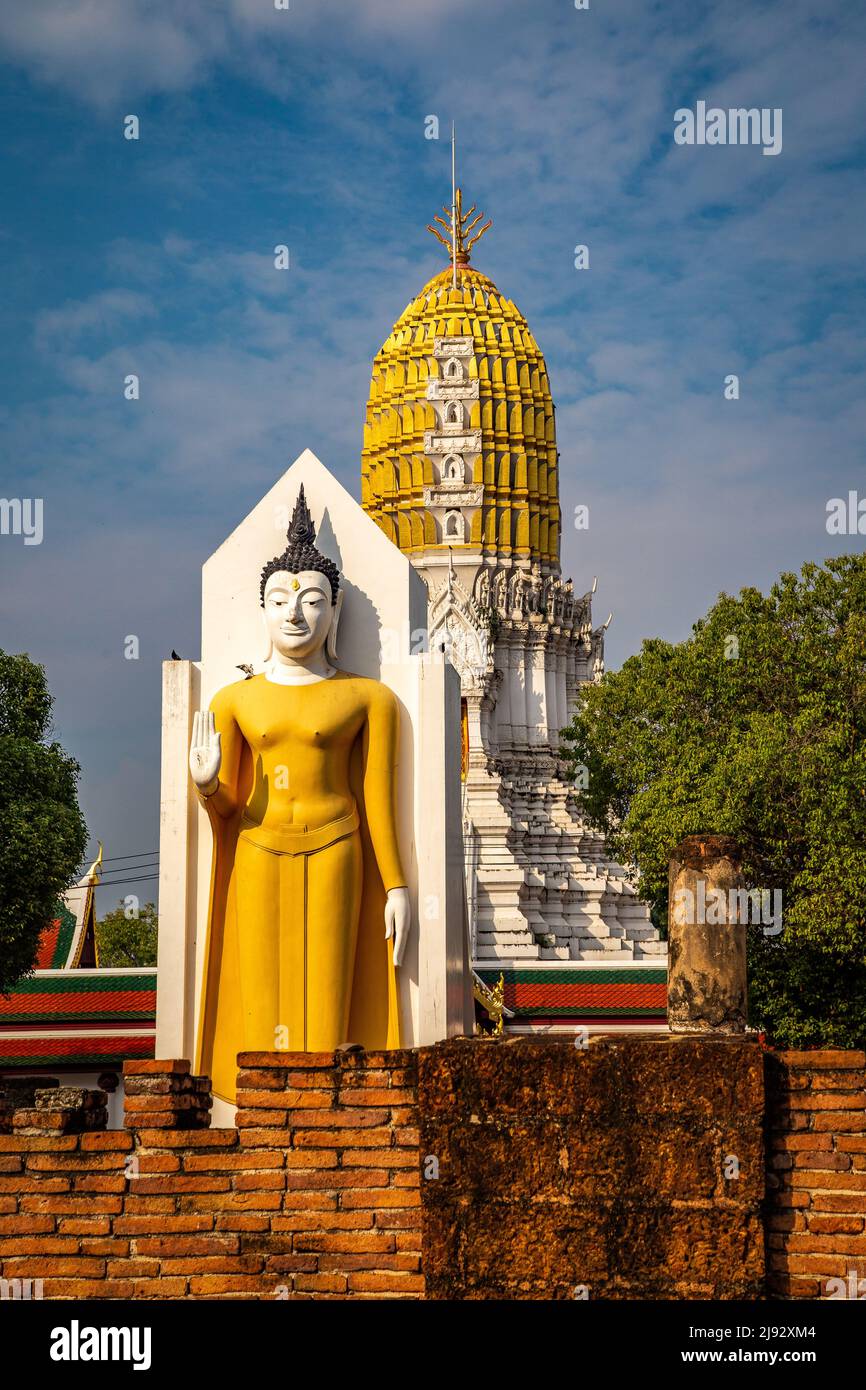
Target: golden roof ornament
459 228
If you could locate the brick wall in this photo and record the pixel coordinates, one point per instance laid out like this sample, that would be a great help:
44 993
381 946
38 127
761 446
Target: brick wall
816 1179
599 1173
313 1194
527 1169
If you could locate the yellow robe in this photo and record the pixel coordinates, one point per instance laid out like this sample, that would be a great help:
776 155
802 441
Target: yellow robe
305 849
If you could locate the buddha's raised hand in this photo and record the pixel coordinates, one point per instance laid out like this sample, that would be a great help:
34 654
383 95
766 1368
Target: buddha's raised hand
205 754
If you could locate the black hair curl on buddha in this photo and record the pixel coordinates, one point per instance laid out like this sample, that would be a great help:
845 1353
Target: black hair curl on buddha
301 553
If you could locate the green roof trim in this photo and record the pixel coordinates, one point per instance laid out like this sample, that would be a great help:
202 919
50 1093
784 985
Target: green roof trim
114 1060
35 1016
651 975
584 1011
64 936
81 982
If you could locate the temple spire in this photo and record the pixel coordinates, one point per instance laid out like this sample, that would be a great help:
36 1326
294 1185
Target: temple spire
458 226
453 206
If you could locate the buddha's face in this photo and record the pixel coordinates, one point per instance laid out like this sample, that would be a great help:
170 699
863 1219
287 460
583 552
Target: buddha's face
298 613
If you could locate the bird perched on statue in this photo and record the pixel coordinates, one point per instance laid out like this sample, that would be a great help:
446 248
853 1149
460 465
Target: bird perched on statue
246 668
175 656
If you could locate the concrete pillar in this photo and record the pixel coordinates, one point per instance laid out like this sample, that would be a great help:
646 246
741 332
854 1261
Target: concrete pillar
706 940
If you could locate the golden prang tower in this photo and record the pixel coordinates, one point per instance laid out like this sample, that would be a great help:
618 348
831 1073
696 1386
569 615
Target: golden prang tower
460 469
462 355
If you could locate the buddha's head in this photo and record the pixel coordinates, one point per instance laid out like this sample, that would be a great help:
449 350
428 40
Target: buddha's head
300 593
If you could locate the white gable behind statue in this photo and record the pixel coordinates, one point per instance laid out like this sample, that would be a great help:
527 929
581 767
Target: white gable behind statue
384 610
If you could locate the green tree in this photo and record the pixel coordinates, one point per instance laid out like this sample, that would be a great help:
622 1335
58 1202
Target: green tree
753 727
43 831
123 940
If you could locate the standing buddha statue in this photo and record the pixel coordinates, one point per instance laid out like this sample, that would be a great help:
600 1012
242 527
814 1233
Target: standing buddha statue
296 768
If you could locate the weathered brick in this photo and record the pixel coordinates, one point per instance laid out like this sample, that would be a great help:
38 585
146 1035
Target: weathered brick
409 1136
182 1182
344 1118
89 1288
380 1197
78 1226
322 1283
14 1143
382 1096
143 1066
304 1061
398 1219
156 1104
818 1161
187 1138
20 1225
99 1182
244 1221
39 1245
104 1245
287 1264
840 1121
846 1182
261 1181
162 1287
294 1099
830 1265
68 1162
343 1138
799 1143
323 1221
410 1285
276 1119
349 1241
135 1268
311 1080
34 1267
410 1240
253 1079
213 1285
230 1162
395 1158
823 1060
106 1141
316 1158
65 1205
305 1200
336 1179
399 1261
184 1243
157 1161
212 1264
831 1225
232 1201
151 1225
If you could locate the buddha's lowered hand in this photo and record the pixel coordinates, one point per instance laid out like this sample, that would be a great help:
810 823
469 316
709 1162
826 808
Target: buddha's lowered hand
398 919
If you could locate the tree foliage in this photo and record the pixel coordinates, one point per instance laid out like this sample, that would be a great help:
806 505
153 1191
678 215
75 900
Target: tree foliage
43 831
753 727
123 940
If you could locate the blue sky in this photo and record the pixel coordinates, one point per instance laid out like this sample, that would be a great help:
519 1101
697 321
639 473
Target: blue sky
306 127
